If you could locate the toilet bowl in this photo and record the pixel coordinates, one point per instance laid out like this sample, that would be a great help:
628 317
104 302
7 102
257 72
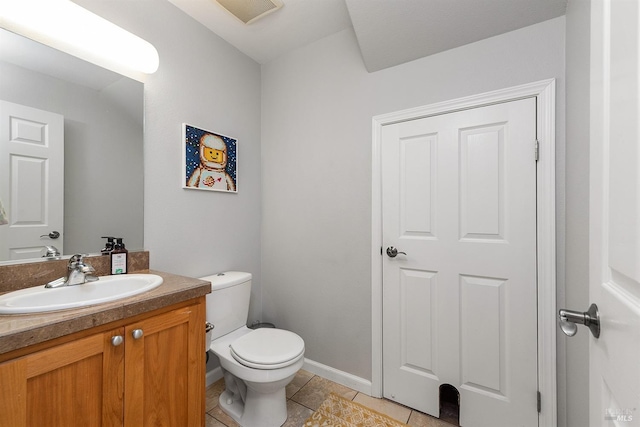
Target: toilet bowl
257 364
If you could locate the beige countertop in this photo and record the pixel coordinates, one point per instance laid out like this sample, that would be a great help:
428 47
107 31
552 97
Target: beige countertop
19 331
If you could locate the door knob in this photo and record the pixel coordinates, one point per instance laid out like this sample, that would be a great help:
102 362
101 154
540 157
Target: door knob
137 334
393 252
52 235
569 320
117 340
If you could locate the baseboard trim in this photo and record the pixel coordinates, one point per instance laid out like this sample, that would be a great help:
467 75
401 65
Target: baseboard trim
337 376
348 380
213 375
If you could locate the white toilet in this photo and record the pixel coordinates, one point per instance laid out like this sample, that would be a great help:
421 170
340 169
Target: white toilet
257 364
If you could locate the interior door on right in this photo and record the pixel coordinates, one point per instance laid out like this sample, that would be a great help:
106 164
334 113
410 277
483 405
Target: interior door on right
459 308
614 232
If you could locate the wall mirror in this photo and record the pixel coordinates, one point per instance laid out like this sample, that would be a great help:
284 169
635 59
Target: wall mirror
100 190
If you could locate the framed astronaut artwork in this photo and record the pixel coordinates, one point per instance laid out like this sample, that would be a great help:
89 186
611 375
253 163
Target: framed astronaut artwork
210 160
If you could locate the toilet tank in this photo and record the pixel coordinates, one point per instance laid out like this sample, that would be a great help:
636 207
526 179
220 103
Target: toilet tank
228 302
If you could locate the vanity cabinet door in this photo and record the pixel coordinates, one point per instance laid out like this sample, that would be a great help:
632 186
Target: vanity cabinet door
79 383
164 369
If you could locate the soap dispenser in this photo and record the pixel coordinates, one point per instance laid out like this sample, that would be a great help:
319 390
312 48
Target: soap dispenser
119 257
108 247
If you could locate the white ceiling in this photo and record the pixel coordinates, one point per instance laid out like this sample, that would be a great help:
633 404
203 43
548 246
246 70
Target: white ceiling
298 23
389 32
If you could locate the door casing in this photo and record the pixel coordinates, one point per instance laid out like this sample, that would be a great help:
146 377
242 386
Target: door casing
544 91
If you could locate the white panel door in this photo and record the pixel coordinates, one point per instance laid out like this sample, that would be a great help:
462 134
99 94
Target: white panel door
31 179
615 213
459 198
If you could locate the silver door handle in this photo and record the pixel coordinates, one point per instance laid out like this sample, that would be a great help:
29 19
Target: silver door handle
137 334
117 340
569 320
52 235
393 252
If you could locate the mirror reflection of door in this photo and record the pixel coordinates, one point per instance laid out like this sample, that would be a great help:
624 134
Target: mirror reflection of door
31 180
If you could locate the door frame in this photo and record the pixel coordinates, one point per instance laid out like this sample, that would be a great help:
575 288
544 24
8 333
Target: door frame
544 91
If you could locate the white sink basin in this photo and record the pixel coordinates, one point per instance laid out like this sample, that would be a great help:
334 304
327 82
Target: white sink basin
108 288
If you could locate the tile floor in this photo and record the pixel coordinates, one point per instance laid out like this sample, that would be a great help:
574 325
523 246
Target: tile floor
305 394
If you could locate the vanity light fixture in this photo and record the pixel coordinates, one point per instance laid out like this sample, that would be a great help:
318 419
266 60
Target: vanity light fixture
66 26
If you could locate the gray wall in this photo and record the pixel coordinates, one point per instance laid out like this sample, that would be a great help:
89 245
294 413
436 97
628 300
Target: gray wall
574 351
205 82
317 105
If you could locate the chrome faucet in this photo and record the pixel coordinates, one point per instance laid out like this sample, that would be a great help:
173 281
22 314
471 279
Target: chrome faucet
51 252
79 273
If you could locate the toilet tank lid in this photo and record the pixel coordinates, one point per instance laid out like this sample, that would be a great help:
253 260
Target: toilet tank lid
226 279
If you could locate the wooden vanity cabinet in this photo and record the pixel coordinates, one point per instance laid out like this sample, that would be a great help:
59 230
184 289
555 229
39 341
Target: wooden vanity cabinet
153 377
73 384
164 370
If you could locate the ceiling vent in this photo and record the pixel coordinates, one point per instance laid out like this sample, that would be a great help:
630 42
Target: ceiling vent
249 11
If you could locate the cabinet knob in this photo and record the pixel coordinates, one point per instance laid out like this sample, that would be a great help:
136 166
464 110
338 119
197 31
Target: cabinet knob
137 334
117 340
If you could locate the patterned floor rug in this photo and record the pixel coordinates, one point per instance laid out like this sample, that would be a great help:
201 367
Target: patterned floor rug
336 411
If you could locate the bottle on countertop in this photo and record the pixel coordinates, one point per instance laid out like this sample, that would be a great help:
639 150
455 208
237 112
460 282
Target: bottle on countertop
108 247
119 258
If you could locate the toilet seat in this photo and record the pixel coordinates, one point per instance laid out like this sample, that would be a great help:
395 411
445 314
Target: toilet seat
267 348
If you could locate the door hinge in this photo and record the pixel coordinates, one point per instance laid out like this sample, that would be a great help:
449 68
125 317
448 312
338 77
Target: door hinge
539 402
537 150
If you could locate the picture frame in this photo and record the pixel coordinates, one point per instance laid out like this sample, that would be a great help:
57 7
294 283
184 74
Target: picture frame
209 160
